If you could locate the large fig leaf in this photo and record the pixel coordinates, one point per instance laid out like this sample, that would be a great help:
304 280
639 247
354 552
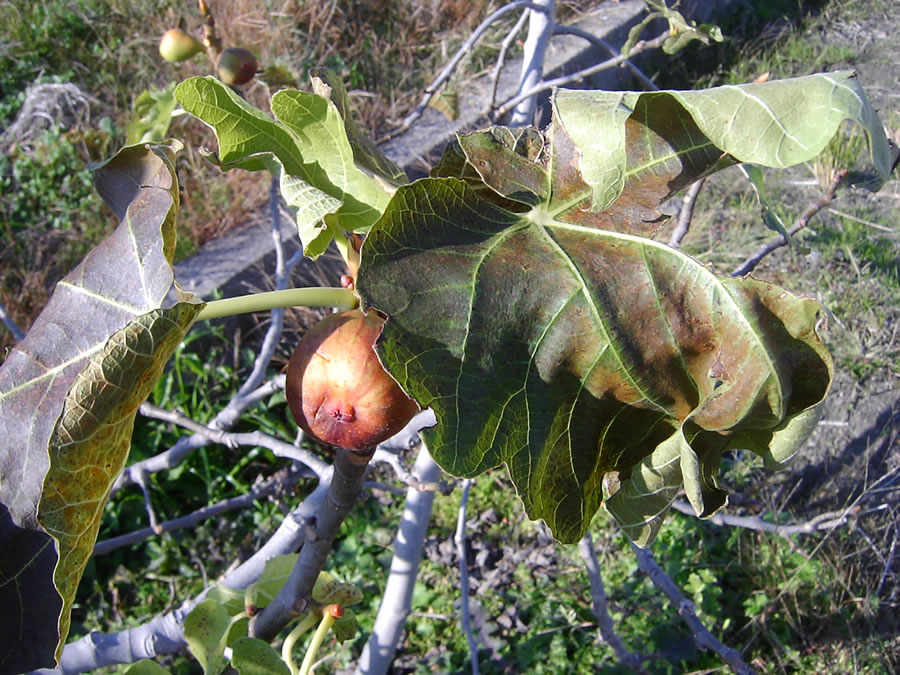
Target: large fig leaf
69 393
601 366
308 144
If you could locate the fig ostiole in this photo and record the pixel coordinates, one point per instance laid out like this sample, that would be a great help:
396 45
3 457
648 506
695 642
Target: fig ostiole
236 66
176 45
337 389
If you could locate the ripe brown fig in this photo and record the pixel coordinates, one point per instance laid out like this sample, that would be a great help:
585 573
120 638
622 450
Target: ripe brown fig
337 389
236 66
176 46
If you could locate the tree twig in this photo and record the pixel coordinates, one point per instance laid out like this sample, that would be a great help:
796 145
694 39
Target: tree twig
702 637
600 42
396 599
600 609
444 75
460 540
581 74
501 56
233 440
271 486
686 214
823 521
811 210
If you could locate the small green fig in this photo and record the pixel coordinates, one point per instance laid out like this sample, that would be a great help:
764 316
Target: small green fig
236 66
337 389
177 46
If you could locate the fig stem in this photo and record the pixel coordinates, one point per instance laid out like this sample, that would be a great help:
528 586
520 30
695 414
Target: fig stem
292 297
318 638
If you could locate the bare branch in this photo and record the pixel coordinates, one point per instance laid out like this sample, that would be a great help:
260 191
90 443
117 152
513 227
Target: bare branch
702 637
460 540
501 57
600 608
540 30
274 484
686 214
600 42
164 634
811 210
397 597
581 74
293 598
444 75
234 440
185 445
823 521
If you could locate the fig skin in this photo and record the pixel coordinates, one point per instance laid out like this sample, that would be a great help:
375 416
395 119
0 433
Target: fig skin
236 66
176 46
337 389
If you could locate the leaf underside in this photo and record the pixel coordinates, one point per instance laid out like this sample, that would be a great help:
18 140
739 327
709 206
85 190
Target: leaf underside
69 393
532 310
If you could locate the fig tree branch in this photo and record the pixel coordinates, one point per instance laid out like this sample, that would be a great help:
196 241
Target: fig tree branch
164 634
811 210
460 540
823 521
445 74
11 325
293 598
581 74
185 445
255 438
702 637
600 42
540 30
686 214
273 485
501 56
396 600
601 610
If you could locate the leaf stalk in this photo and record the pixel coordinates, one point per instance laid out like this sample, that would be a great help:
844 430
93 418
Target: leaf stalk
292 297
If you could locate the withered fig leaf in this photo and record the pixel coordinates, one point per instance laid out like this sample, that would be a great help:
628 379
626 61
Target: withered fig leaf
68 396
550 332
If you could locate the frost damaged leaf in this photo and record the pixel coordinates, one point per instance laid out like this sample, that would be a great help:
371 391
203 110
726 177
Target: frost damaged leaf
628 141
96 322
579 352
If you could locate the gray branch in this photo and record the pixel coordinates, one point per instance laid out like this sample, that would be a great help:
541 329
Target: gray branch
540 30
601 610
408 545
460 540
702 637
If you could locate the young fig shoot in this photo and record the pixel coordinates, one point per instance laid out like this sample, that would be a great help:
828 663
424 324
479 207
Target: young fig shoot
337 389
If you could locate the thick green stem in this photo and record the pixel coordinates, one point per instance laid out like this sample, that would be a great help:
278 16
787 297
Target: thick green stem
287 649
292 297
317 639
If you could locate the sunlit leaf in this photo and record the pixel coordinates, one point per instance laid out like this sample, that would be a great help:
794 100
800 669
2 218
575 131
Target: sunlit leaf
601 366
68 396
205 630
255 657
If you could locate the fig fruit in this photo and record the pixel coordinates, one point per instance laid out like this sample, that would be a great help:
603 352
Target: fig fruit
337 389
176 46
236 65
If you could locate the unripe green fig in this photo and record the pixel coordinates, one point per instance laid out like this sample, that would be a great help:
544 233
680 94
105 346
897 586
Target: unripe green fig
337 389
236 66
176 45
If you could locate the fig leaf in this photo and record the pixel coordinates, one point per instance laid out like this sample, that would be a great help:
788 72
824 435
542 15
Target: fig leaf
600 366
